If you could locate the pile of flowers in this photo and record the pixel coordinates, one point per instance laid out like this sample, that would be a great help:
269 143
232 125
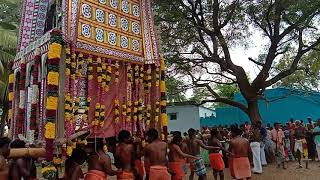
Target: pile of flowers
49 171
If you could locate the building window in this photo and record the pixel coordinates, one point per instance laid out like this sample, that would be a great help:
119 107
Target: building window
173 116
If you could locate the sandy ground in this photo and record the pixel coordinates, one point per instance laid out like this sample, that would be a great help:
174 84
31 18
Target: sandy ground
272 173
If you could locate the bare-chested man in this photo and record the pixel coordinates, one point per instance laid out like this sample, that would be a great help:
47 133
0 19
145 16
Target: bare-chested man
4 154
194 145
299 135
176 158
125 155
156 152
73 165
20 168
240 150
215 156
99 163
138 148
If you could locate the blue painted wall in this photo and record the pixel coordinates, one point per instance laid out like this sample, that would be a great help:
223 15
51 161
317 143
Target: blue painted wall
281 105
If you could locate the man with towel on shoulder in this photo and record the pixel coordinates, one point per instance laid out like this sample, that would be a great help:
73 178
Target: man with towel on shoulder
156 152
240 150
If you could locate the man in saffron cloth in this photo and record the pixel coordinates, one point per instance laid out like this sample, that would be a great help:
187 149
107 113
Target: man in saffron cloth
99 164
176 157
125 156
138 146
4 154
240 150
156 152
215 157
198 165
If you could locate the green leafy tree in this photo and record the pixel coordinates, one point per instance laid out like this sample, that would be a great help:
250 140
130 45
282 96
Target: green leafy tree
9 23
198 35
307 77
175 90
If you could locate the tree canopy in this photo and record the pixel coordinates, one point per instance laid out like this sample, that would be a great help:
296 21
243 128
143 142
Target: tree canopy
198 36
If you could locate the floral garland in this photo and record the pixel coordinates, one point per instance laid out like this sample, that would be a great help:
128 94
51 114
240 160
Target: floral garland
108 78
49 171
140 114
99 115
35 92
104 76
117 73
11 93
164 119
54 56
116 111
99 70
68 100
124 114
129 99
21 110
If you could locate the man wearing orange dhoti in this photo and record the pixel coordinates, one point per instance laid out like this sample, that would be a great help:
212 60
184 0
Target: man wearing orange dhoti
240 150
125 156
138 146
156 152
4 154
99 164
176 158
215 157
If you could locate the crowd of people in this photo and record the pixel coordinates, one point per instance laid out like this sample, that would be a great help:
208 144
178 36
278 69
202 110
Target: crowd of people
244 149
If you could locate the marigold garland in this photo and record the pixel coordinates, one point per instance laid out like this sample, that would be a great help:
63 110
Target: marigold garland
116 111
117 73
54 55
11 93
164 119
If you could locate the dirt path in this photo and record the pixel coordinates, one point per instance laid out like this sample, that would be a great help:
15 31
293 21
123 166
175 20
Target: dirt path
272 173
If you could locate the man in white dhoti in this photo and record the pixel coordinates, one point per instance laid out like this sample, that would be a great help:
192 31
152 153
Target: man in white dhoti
255 140
263 135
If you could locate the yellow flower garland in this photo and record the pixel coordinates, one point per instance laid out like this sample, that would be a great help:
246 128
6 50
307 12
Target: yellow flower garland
54 51
50 130
53 78
52 103
11 78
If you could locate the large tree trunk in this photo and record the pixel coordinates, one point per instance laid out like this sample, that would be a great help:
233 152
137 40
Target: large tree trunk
253 111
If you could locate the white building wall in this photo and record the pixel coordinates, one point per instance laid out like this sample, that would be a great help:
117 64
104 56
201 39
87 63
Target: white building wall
187 117
205 112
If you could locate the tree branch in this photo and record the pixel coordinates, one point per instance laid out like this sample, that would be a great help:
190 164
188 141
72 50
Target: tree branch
229 102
